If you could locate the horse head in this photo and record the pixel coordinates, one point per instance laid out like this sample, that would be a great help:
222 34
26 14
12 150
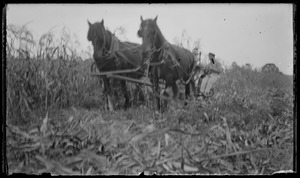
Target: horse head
150 34
96 34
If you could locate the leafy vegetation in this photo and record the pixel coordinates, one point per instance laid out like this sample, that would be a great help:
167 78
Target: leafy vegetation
56 121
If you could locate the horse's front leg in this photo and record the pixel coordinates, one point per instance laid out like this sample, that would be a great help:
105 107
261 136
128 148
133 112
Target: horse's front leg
107 93
156 87
126 94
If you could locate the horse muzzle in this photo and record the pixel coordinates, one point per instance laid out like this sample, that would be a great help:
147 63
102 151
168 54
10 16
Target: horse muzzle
147 47
139 33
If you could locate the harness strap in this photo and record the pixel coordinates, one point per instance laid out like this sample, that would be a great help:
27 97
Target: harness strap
114 46
118 54
191 75
177 66
115 53
153 50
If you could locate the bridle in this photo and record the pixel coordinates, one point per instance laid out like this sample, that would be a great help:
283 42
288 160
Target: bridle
109 54
153 50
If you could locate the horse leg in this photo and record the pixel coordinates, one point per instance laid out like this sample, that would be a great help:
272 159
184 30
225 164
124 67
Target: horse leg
174 90
165 97
187 91
170 82
126 94
156 87
175 94
157 94
135 93
143 89
141 94
107 93
193 85
138 94
188 87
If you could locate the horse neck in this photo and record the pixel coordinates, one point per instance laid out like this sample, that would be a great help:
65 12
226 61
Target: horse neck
112 42
108 40
160 39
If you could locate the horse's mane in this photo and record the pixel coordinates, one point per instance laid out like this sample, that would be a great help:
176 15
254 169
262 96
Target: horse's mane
160 37
162 40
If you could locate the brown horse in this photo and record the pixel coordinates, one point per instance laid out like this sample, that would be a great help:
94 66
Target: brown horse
110 54
173 62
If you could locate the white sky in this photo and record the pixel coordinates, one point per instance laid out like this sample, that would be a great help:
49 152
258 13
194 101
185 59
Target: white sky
245 33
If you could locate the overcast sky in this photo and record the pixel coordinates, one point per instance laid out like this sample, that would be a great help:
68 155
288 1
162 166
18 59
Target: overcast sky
245 33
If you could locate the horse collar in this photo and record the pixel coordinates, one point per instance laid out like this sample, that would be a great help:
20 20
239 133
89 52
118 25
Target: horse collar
112 45
165 44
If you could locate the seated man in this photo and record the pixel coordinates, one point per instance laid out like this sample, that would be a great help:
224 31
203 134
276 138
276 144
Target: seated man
212 71
197 55
198 71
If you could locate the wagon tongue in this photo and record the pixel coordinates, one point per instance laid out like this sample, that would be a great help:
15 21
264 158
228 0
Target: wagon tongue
144 80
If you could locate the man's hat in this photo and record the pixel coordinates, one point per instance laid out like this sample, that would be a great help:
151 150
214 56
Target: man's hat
211 56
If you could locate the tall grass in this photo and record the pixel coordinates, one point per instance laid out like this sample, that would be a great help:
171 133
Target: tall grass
37 85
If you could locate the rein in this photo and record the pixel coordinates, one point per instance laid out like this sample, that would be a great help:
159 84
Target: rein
154 50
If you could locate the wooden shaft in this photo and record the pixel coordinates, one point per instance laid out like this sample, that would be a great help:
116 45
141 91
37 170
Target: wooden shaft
116 72
129 79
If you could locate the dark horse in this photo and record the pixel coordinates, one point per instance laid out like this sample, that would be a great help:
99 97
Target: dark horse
172 62
110 54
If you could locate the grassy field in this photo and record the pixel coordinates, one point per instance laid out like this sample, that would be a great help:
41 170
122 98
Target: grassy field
56 123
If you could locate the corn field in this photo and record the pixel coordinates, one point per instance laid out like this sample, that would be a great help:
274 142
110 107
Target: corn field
56 122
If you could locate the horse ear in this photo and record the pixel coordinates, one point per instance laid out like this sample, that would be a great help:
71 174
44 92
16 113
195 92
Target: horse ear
142 19
102 22
89 23
155 18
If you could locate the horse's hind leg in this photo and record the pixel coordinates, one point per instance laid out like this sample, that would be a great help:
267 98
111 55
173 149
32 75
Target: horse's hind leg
194 89
187 91
156 87
126 94
142 93
107 93
174 99
188 87
188 95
